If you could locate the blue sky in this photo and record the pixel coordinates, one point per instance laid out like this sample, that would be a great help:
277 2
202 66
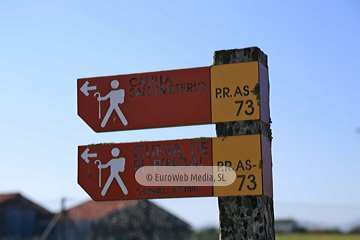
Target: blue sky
313 49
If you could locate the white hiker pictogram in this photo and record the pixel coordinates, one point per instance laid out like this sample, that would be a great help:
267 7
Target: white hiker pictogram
116 97
116 165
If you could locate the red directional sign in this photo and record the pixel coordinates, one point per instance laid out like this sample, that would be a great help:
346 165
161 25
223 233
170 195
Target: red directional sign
231 92
147 100
176 168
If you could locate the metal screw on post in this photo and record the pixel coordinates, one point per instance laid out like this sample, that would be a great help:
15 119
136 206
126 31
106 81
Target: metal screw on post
244 217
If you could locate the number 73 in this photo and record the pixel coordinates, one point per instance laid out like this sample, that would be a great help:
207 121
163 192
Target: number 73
249 105
251 186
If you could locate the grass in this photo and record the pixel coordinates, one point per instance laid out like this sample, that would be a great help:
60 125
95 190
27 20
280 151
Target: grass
317 237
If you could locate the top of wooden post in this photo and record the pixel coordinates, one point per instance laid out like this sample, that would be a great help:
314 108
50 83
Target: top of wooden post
249 54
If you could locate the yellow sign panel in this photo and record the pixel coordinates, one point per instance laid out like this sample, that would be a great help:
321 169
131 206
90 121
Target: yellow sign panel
241 154
234 88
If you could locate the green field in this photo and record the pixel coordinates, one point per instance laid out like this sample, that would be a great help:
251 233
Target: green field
317 237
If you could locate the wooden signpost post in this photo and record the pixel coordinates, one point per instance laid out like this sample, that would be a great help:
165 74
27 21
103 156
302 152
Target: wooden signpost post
246 217
233 93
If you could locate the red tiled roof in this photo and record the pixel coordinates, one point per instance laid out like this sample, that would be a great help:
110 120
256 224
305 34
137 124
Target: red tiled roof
5 197
92 210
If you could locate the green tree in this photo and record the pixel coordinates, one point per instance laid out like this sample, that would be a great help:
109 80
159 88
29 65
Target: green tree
355 230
